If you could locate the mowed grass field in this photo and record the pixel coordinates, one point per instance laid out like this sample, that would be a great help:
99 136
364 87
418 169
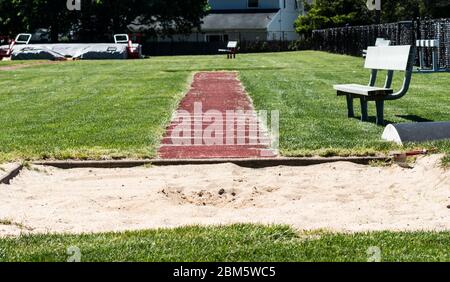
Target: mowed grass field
119 109
242 243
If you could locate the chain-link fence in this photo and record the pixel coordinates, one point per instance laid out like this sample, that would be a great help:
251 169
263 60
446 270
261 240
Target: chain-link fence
436 29
353 40
211 48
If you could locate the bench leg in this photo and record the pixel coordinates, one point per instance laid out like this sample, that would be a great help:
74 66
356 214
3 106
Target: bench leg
364 113
351 113
380 112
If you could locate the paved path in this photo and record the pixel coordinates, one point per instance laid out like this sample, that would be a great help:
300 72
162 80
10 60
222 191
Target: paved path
202 127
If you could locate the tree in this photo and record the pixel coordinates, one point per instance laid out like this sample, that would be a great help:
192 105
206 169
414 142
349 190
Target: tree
400 10
28 15
10 20
100 18
336 13
435 8
333 13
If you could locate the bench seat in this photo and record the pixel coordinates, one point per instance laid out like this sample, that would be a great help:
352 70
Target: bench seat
363 90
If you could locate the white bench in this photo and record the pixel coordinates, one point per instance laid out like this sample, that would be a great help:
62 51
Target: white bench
231 50
389 58
378 43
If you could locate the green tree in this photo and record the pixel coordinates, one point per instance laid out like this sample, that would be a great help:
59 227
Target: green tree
333 13
100 18
435 8
337 13
399 10
27 15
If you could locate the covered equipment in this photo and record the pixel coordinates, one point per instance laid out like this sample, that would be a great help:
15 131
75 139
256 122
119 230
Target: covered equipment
417 132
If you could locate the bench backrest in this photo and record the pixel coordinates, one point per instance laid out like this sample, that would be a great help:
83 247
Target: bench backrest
394 58
232 44
382 42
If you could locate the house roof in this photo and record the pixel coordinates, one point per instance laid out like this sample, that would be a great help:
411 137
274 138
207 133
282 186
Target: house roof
249 19
237 21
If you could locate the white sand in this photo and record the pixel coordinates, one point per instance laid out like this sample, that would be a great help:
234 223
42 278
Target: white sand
6 168
338 197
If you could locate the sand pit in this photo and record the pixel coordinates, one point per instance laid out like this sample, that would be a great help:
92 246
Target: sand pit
339 197
5 168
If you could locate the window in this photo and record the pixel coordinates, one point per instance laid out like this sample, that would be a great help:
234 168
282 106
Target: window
296 4
253 3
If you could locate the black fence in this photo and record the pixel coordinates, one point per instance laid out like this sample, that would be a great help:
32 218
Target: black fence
353 39
211 48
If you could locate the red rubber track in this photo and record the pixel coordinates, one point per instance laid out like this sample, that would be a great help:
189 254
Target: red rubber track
222 92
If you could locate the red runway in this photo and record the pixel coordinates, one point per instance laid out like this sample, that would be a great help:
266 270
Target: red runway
215 120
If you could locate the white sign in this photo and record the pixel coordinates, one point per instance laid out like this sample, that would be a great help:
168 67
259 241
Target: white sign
374 5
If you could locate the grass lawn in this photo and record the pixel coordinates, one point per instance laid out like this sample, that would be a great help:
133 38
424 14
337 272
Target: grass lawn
4 63
86 109
242 243
116 109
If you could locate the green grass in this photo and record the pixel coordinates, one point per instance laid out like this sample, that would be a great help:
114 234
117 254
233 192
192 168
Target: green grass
13 63
313 119
446 160
242 243
86 109
116 109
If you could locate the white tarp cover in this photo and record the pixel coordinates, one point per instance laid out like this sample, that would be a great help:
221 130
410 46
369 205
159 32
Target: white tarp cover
417 132
95 51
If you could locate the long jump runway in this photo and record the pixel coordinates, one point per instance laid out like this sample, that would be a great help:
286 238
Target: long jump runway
216 119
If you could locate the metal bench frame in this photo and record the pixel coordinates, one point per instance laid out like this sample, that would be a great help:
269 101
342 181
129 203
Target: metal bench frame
389 58
231 50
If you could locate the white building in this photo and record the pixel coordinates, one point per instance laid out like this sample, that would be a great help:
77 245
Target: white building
252 20
246 20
